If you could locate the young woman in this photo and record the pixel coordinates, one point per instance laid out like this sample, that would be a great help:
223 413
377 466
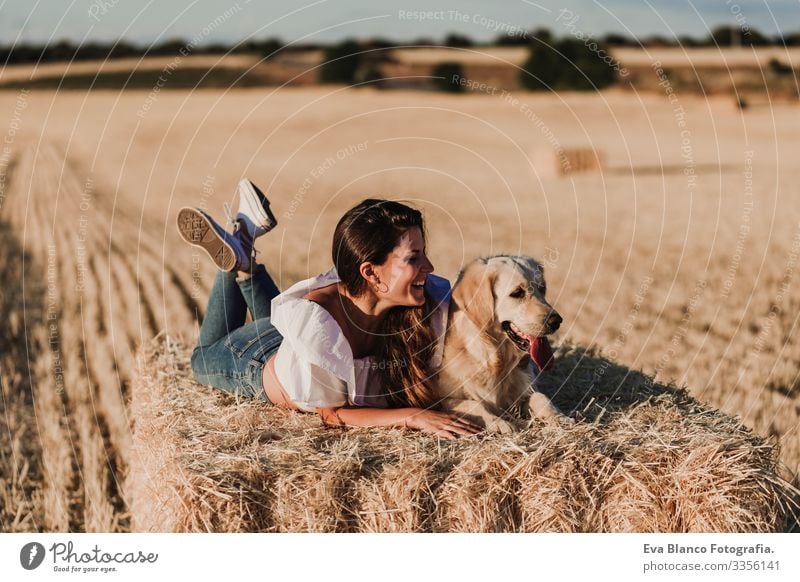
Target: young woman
357 344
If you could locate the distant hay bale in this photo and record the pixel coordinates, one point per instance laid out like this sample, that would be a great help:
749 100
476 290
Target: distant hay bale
554 163
642 457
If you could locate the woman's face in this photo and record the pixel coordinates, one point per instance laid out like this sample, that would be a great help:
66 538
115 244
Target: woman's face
404 271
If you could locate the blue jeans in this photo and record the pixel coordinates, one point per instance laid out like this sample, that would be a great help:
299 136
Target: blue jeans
229 354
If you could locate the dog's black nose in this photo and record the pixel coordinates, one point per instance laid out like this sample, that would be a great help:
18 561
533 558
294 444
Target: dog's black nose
554 321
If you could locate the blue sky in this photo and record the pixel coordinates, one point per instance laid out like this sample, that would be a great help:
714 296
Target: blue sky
149 21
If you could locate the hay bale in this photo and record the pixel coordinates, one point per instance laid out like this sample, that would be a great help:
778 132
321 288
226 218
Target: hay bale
551 163
643 457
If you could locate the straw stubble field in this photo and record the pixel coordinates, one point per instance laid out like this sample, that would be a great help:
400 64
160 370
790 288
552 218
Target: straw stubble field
678 259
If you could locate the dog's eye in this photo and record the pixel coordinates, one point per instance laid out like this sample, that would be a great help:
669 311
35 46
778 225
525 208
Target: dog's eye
518 293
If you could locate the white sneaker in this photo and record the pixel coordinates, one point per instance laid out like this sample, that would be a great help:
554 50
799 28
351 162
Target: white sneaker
226 250
254 212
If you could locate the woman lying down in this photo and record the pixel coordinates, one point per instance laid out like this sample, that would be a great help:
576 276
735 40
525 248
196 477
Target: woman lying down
355 344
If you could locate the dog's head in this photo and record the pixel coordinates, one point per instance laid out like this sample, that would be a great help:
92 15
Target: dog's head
505 295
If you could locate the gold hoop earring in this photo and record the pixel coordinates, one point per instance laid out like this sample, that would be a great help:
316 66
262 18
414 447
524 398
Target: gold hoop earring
377 290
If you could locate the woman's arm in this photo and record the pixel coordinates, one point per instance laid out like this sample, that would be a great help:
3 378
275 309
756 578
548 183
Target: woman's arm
439 423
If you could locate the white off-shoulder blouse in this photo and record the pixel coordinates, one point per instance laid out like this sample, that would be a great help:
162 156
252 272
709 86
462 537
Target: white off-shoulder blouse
315 363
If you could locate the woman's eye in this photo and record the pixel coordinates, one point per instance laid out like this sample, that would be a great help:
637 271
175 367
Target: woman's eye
518 293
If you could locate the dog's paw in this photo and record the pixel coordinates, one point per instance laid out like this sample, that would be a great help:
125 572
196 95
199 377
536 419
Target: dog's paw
565 421
500 426
540 407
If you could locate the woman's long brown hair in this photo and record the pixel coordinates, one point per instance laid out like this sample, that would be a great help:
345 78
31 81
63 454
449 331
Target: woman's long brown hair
369 232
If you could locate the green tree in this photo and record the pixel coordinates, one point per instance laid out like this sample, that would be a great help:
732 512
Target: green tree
616 39
515 39
541 70
446 77
728 35
457 40
584 68
542 34
341 62
567 64
270 48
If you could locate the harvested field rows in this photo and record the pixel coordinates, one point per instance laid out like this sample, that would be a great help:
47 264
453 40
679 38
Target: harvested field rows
692 278
81 303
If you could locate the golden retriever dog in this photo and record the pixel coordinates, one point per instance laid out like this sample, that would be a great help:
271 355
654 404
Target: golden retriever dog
499 320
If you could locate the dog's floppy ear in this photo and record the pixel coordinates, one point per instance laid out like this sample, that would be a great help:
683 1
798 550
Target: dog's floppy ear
474 293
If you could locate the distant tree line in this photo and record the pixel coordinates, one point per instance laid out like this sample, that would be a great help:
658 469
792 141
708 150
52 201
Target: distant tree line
66 51
725 35
571 62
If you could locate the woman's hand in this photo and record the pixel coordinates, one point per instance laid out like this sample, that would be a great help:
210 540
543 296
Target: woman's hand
442 424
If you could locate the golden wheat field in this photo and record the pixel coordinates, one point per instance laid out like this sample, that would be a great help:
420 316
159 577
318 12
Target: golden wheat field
679 258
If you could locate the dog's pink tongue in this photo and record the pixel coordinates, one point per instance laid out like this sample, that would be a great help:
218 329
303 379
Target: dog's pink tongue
541 352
